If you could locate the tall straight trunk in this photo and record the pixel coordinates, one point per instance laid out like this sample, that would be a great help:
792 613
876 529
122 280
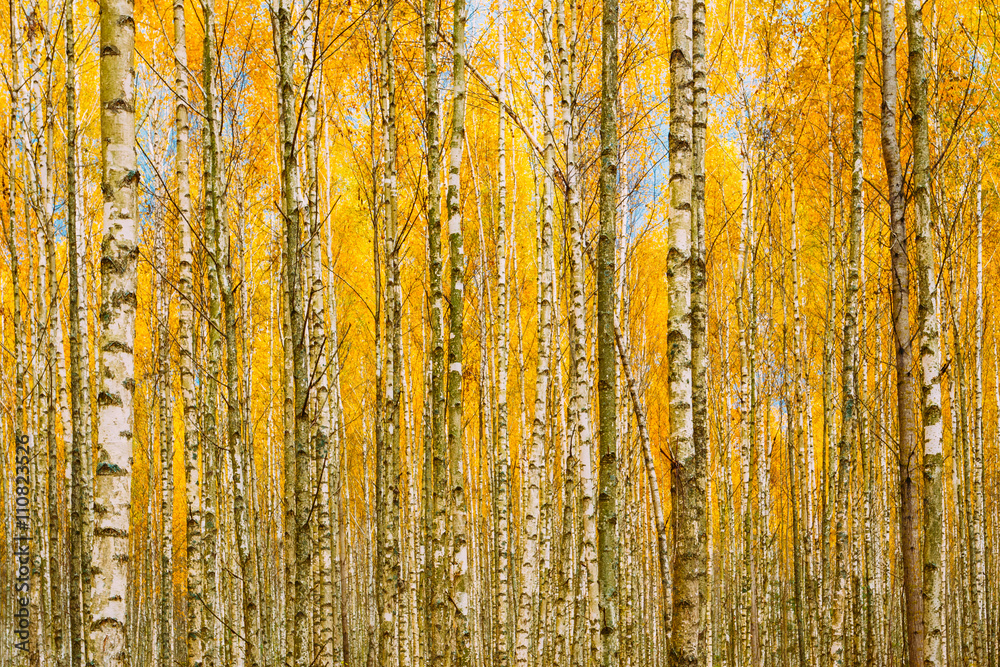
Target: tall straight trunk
300 376
907 436
78 579
502 500
36 295
532 575
828 470
192 440
865 430
456 450
312 286
164 623
796 475
930 334
162 626
826 484
850 343
607 513
580 398
408 633
387 455
963 497
52 620
962 474
338 545
319 353
687 497
36 424
977 524
699 321
745 433
112 485
288 455
239 455
211 460
437 570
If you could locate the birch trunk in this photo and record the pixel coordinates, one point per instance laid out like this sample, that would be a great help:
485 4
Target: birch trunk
978 445
580 398
112 486
78 578
437 575
930 346
165 630
319 354
338 543
456 450
685 490
533 531
302 551
607 514
850 343
387 455
211 460
907 453
195 646
239 453
699 324
502 648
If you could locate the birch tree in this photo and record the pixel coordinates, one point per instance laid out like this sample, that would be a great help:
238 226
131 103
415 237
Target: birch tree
850 343
685 483
112 484
900 284
607 514
78 579
930 333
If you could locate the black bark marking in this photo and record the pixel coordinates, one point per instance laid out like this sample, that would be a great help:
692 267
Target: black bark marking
106 398
119 105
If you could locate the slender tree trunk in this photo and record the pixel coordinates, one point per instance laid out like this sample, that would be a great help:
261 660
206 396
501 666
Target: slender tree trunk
699 324
502 647
978 445
210 459
607 513
687 496
456 450
437 613
319 354
338 543
907 453
389 580
533 531
800 502
300 377
195 645
118 291
930 350
239 453
580 398
165 629
78 580
850 343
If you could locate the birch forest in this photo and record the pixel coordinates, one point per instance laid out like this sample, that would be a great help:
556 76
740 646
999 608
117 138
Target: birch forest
507 333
